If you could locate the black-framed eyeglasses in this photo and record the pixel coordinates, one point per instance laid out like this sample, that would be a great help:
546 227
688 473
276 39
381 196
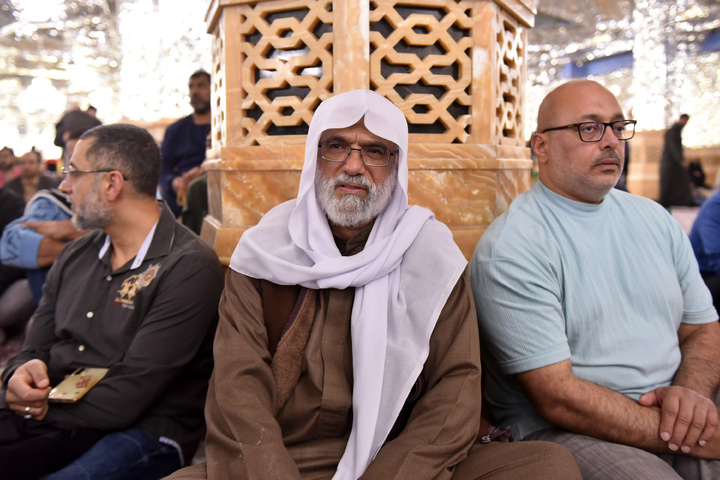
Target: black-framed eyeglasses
371 155
594 131
66 172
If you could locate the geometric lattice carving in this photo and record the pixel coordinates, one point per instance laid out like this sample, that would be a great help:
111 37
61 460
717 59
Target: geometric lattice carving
219 108
286 68
454 67
422 55
420 59
510 54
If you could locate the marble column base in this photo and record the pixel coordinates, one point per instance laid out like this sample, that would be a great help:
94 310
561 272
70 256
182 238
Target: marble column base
466 186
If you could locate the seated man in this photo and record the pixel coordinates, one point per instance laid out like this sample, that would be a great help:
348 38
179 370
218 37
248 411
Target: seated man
137 297
601 334
32 177
34 241
347 345
8 167
705 241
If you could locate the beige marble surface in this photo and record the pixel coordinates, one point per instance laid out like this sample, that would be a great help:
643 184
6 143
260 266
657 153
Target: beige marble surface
465 186
467 174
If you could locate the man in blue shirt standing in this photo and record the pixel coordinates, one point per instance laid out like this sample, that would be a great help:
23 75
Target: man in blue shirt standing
184 144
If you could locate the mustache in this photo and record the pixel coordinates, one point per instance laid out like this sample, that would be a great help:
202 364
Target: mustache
607 156
344 177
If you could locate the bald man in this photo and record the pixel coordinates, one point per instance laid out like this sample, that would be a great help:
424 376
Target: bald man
600 332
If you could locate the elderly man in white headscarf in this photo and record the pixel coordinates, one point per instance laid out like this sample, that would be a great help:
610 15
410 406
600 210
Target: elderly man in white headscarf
348 344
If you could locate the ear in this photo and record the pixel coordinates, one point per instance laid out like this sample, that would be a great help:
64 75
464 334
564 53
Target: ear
539 145
114 185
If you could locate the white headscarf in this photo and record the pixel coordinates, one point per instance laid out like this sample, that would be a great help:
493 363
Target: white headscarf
402 278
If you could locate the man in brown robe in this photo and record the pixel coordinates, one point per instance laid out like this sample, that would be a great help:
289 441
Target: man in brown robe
348 344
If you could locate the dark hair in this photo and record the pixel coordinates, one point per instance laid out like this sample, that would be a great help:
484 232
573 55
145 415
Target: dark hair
685 116
77 133
8 149
37 153
200 73
129 149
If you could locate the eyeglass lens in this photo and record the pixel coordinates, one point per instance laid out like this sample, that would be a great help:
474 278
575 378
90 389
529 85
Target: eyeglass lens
335 151
593 131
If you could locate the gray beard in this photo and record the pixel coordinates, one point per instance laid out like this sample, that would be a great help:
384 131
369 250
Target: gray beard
91 214
350 211
200 107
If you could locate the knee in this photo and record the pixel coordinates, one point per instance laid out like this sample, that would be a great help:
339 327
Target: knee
553 460
510 461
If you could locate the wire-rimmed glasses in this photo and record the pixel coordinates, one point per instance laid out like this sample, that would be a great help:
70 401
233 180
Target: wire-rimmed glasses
338 152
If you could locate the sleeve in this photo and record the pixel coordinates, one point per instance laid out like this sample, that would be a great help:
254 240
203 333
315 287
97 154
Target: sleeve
697 300
445 421
709 232
519 311
19 244
243 435
11 207
173 330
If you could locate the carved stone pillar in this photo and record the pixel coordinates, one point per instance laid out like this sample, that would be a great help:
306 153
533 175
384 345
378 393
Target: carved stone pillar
455 68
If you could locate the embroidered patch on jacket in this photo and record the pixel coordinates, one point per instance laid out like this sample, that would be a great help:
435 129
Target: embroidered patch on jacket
135 283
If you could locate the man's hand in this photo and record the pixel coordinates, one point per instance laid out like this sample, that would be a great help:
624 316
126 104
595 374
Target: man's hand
62 230
28 390
181 182
687 417
191 175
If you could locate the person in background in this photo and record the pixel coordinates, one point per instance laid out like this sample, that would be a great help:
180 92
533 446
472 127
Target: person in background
8 169
184 144
675 182
32 177
74 120
700 190
600 332
705 240
34 241
137 297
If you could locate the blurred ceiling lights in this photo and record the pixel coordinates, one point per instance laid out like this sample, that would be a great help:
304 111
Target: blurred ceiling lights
131 59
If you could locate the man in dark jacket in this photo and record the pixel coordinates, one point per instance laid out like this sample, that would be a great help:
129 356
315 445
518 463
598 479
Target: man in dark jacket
137 298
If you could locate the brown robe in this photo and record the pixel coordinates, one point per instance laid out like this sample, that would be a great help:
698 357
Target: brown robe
306 438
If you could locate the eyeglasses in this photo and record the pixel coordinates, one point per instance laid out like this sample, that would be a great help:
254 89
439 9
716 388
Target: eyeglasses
338 152
594 131
66 172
